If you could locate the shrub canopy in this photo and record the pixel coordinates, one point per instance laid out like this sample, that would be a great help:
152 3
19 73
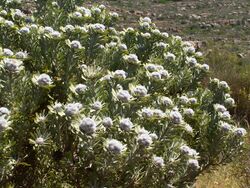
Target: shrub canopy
86 105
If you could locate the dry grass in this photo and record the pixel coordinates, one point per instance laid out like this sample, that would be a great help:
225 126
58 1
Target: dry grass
221 178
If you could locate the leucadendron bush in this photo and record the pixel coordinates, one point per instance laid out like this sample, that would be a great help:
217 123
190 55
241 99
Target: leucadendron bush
85 105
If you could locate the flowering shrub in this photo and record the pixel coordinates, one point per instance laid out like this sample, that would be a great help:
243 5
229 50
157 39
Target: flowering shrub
86 105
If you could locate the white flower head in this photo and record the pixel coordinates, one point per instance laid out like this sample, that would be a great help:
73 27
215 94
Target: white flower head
240 132
114 14
40 141
13 65
8 23
220 108
122 47
77 14
186 150
205 67
225 127
139 91
102 7
193 164
126 124
75 44
107 122
43 80
162 45
192 100
157 113
96 10
131 58
88 126
97 105
18 13
85 11
166 101
57 107
151 67
80 88
224 85
3 12
144 140
4 124
147 113
158 161
230 102
155 75
21 55
7 52
72 109
188 112
156 32
191 61
124 95
145 25
33 27
164 74
164 34
115 146
145 19
97 27
175 117
188 128
225 115
153 136
170 56
142 131
24 30
4 111
146 35
48 29
120 74
189 49
55 34
199 54
184 100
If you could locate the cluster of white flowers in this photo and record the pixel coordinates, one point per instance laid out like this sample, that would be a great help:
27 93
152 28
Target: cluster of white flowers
139 91
72 109
88 125
144 140
4 124
126 124
43 80
107 122
13 65
75 44
158 161
97 105
120 74
124 95
131 58
115 146
188 151
80 88
176 117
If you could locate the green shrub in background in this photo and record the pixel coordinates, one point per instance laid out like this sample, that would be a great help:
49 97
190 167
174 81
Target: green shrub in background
85 105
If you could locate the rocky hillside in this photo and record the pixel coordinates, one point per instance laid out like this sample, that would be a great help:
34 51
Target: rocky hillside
226 21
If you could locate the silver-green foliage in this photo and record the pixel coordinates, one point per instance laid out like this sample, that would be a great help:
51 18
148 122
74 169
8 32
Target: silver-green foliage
86 105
